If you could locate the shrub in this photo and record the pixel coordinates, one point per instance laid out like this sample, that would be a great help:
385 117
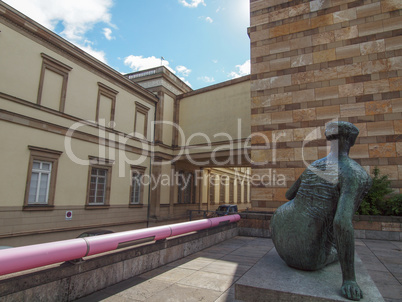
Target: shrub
379 200
393 206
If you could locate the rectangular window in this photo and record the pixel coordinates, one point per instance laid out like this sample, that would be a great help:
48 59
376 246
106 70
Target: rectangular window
137 188
40 182
136 191
97 190
99 182
41 179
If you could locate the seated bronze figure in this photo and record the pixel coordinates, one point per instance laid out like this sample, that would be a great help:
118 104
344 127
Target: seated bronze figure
315 227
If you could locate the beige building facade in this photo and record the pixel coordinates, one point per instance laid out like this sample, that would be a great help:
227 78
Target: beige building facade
317 61
86 147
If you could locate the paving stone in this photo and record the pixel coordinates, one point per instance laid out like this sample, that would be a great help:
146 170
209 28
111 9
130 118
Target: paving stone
206 254
241 260
249 251
378 244
222 249
212 281
226 268
398 244
388 286
194 264
142 290
168 274
272 280
179 292
228 296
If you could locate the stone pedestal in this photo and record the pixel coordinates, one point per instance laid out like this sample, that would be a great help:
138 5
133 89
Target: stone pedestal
271 279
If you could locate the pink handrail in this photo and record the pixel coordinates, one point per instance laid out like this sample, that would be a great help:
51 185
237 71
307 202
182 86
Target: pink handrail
27 257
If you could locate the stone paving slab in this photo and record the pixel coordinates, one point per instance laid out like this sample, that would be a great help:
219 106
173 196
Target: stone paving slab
383 270
180 292
210 275
272 280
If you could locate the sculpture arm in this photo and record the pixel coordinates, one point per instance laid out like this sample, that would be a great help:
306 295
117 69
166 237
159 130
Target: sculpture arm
344 235
291 193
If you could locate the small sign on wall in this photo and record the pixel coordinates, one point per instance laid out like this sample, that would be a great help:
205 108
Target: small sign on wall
69 215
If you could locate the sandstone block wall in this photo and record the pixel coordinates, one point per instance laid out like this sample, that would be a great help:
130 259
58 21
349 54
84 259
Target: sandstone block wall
315 61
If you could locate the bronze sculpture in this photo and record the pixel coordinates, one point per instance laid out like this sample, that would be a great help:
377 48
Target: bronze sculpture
315 227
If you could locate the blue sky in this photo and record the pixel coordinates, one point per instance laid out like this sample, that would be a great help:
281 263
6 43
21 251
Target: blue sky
203 42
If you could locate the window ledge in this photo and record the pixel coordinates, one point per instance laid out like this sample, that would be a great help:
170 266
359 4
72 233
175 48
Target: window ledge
135 205
183 204
38 207
96 207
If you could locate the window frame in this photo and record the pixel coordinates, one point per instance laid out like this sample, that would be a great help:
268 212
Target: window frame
41 173
107 92
140 171
105 164
59 68
42 155
142 109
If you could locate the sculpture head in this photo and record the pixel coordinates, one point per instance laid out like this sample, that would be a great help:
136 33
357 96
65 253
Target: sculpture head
342 131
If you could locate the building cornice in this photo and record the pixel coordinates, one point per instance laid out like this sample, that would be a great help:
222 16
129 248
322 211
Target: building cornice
216 86
159 77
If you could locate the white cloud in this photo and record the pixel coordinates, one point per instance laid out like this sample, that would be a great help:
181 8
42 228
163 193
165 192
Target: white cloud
183 70
108 33
242 70
207 79
206 19
137 63
76 16
215 61
194 3
98 54
220 9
